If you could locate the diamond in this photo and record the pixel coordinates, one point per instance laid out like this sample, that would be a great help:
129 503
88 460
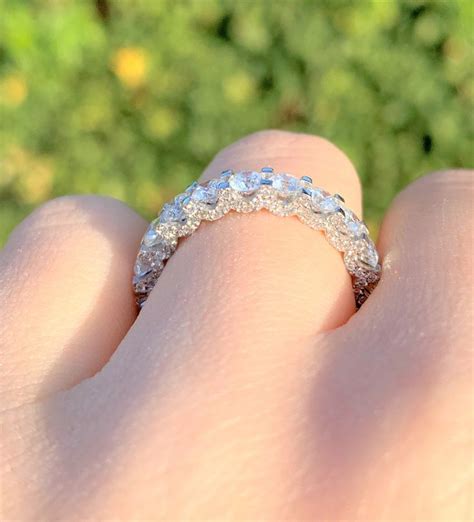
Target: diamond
181 200
207 195
355 227
317 196
225 174
246 182
369 257
286 186
142 267
329 205
172 212
161 251
151 237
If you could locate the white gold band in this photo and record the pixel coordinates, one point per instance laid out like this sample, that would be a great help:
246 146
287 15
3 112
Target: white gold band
250 191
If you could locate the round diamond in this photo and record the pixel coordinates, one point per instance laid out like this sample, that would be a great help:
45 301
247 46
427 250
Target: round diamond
161 252
369 257
286 186
181 199
329 205
355 227
207 195
246 182
317 196
172 212
142 267
151 237
225 175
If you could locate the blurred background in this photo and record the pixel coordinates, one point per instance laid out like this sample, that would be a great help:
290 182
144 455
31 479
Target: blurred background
131 98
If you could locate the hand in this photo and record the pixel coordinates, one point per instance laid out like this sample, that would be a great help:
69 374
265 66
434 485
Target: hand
247 389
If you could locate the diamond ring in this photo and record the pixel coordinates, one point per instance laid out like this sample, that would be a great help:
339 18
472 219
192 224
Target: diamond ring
249 191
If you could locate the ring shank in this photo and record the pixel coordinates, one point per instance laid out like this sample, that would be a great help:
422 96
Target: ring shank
249 191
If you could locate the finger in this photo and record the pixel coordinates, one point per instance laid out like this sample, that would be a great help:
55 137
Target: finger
65 299
394 391
426 242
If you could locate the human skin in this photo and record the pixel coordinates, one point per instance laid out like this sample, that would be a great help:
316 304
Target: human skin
248 388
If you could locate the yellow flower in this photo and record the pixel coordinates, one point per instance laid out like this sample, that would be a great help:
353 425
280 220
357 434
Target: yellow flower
13 89
31 176
239 87
130 64
163 122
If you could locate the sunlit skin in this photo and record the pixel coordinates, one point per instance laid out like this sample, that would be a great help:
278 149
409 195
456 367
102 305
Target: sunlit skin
248 388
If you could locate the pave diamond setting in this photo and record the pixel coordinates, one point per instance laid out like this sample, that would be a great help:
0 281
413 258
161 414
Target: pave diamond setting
250 191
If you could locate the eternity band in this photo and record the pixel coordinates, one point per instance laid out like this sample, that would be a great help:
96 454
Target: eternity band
249 191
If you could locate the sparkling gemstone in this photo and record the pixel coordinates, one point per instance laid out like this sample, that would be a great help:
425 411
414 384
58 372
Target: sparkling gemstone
142 268
225 175
246 182
317 196
161 251
370 257
181 200
151 237
172 212
206 195
286 186
306 184
329 205
355 227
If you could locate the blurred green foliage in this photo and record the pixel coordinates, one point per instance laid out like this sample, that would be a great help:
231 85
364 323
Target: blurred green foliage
131 98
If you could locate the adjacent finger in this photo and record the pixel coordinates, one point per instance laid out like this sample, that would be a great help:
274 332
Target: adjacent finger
65 298
392 398
426 246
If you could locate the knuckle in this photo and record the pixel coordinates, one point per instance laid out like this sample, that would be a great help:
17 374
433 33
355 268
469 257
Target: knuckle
77 204
451 189
272 142
448 178
82 212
